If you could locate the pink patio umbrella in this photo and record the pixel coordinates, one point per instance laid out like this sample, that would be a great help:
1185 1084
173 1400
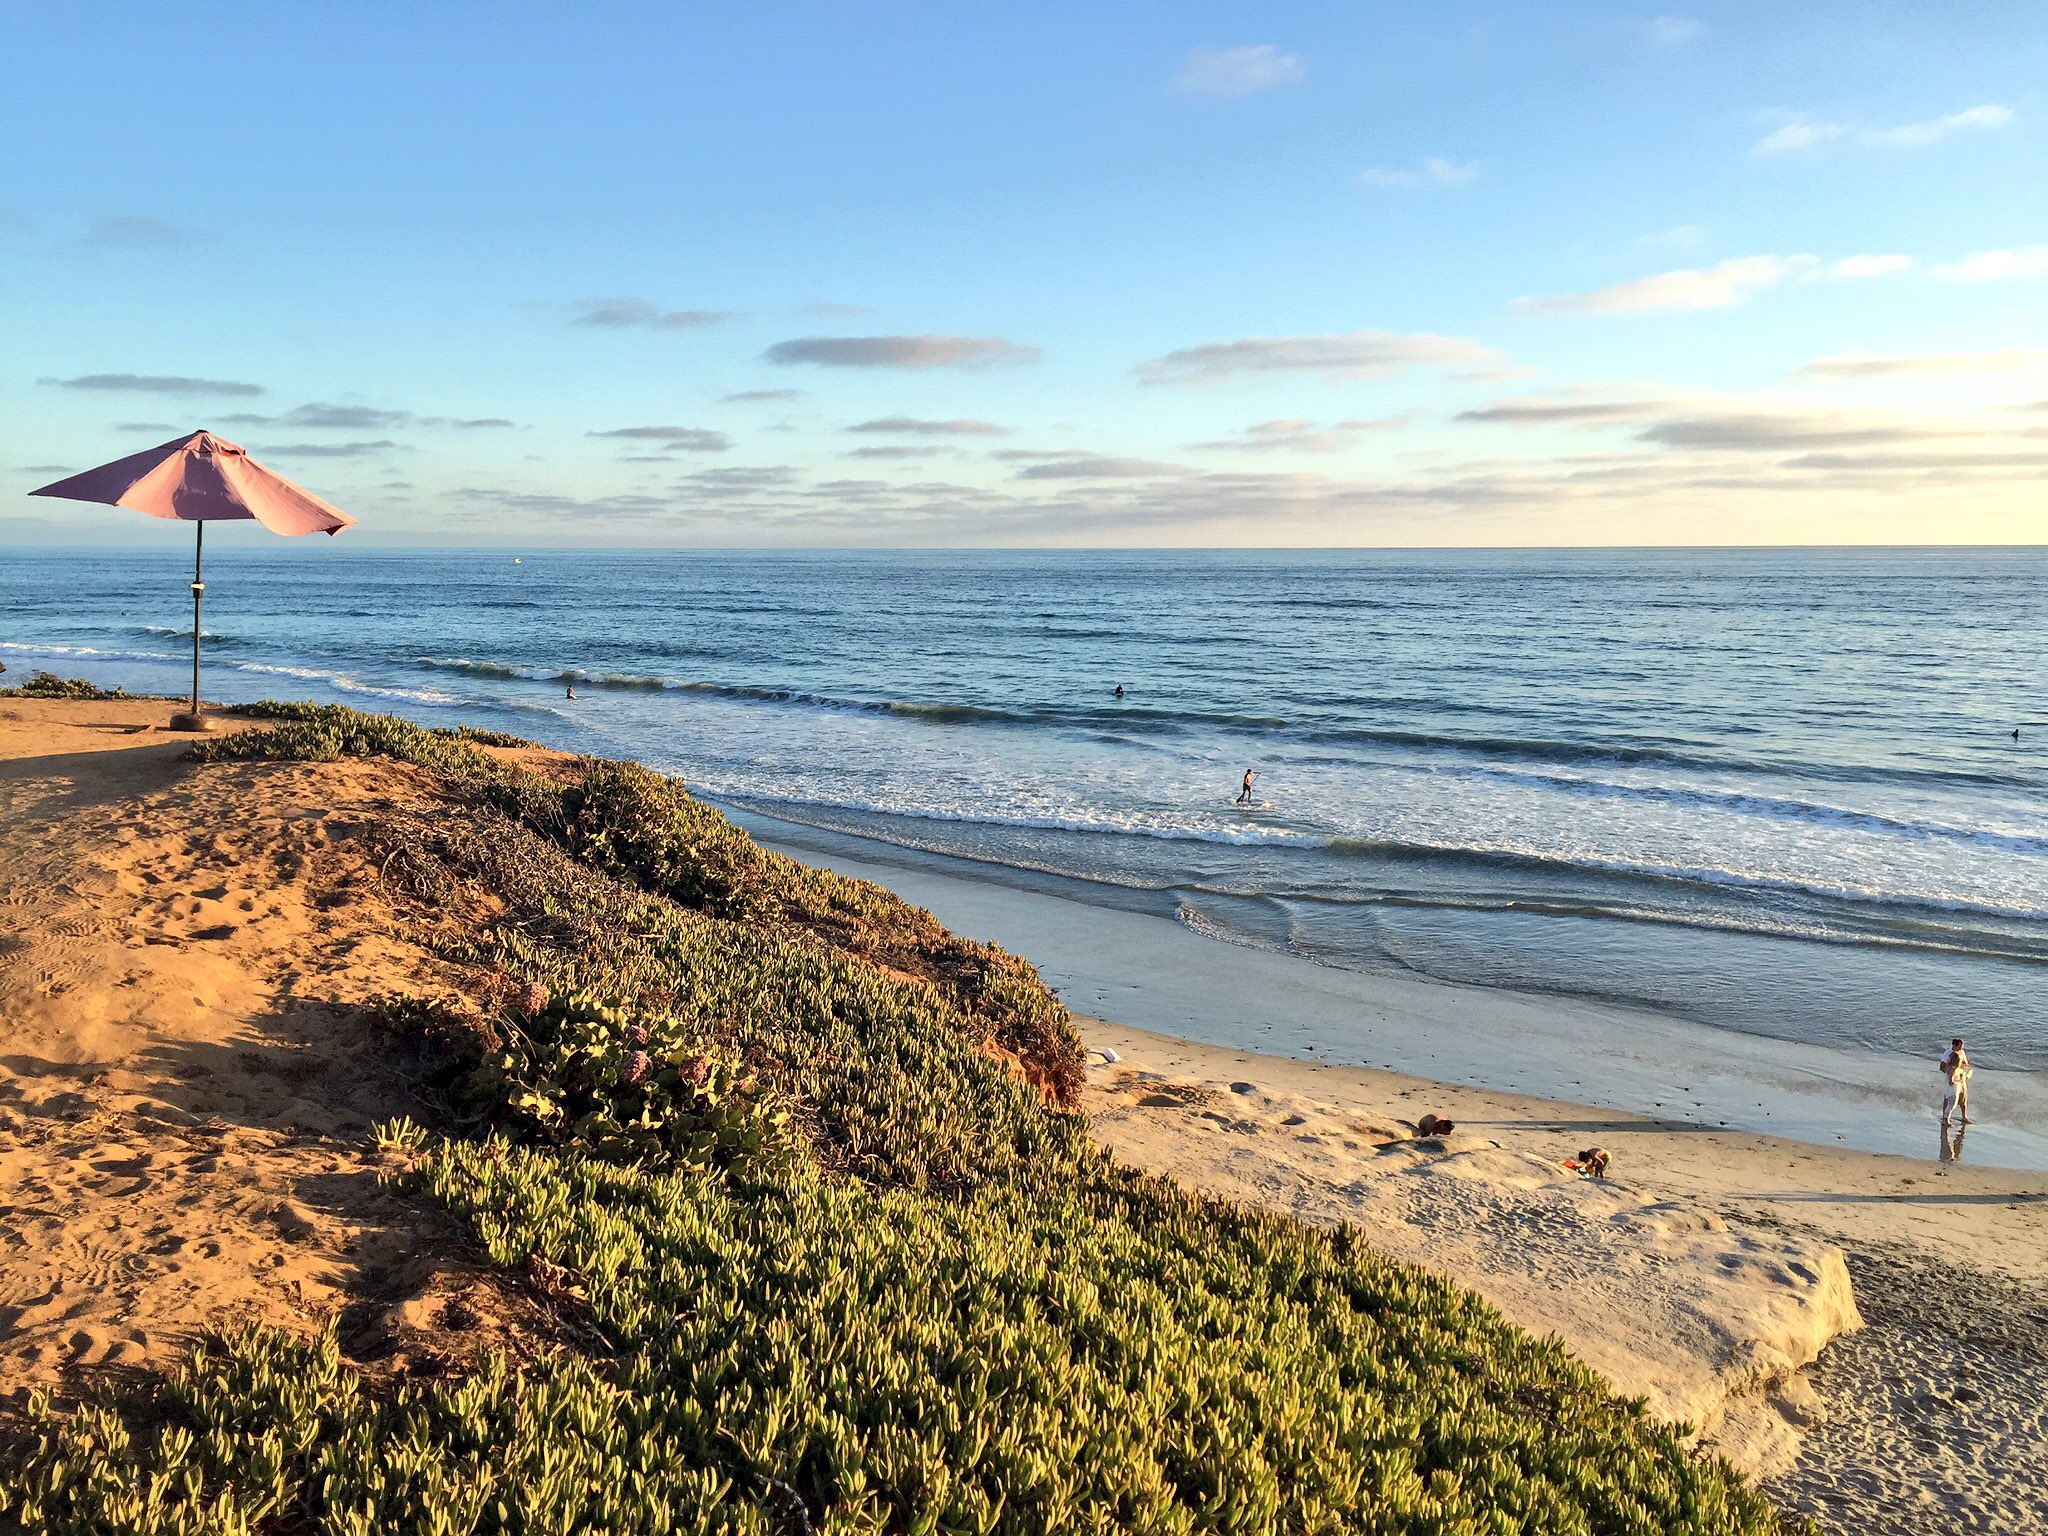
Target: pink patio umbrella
202 479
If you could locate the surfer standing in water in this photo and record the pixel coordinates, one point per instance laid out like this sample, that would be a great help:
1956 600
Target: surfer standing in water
1244 795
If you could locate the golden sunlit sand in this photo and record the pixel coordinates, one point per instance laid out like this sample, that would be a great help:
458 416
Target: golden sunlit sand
188 1083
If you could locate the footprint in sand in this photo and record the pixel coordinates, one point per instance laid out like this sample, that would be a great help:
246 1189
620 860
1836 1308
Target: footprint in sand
99 1346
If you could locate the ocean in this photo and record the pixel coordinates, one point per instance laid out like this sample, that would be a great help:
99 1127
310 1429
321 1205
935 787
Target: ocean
1774 792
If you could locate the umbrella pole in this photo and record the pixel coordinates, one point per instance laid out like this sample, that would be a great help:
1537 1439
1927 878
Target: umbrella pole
192 719
198 594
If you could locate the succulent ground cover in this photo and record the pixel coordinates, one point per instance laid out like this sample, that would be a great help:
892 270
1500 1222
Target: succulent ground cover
48 685
801 1160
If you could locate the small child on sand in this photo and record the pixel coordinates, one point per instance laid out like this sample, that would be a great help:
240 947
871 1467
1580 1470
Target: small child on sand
1591 1163
1955 1066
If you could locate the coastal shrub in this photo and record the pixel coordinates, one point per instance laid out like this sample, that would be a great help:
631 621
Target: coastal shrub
806 1353
643 826
482 736
955 1314
647 830
578 1072
276 709
306 709
886 1077
48 685
325 733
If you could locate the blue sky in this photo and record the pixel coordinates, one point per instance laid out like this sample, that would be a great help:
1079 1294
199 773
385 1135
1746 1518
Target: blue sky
1186 274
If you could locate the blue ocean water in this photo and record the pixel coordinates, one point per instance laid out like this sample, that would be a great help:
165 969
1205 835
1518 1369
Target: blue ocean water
1773 791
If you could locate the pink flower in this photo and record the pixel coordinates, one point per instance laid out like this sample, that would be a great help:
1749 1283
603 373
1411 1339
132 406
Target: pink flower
638 1065
532 1000
636 1034
698 1068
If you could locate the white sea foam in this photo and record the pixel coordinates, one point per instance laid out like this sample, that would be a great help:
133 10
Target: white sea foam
42 648
1104 820
345 682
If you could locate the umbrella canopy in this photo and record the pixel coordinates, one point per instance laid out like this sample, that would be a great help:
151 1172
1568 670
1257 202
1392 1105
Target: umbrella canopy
203 478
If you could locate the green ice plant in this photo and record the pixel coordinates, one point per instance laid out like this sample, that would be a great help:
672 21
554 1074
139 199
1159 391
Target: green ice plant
577 1071
47 685
648 832
806 1350
924 1302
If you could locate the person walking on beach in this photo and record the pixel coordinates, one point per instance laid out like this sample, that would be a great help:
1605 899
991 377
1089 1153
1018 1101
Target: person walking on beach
1244 795
1955 1066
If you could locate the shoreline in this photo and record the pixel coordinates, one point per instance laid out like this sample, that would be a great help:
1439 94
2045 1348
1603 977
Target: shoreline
1834 1041
1846 1196
1152 973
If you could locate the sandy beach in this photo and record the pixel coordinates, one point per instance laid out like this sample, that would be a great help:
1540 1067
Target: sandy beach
1703 1273
188 1084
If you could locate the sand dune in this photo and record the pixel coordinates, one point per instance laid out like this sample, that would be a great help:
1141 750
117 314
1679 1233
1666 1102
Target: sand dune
186 1081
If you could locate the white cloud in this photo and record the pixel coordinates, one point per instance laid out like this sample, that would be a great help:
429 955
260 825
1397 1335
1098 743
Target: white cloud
1796 133
1935 129
133 232
1227 72
1096 466
1867 266
1295 434
1870 365
1799 131
1680 237
1352 355
628 312
683 439
932 351
157 384
1716 287
1529 411
1433 172
1995 266
1667 31
917 426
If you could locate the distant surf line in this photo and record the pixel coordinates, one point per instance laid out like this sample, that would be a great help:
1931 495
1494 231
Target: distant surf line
1273 731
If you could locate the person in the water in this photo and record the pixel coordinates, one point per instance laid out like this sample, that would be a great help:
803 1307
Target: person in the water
1119 693
1244 795
1955 1066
